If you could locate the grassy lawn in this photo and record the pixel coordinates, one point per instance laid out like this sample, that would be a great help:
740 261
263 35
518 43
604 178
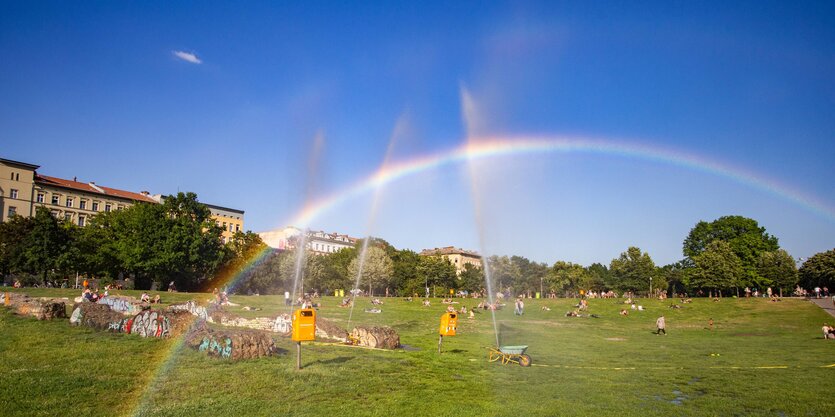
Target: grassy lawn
761 359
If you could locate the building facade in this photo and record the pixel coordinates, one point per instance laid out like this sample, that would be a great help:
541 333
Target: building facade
230 220
318 242
22 190
456 256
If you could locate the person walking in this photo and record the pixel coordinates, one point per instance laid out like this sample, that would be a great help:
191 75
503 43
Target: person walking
661 325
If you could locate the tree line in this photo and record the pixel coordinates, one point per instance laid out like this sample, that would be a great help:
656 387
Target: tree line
726 255
177 241
145 245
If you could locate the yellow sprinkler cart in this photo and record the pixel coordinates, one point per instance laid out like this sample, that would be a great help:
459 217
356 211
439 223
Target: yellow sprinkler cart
510 354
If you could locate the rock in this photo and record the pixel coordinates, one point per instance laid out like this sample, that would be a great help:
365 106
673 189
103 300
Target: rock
234 344
328 330
376 337
40 308
149 323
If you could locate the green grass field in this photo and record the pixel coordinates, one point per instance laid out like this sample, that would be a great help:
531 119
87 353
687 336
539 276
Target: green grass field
761 359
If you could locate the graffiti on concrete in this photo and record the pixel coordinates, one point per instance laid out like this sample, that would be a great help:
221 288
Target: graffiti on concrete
212 347
282 324
121 305
150 324
193 308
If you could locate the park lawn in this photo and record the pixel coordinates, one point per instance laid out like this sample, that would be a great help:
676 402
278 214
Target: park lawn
761 359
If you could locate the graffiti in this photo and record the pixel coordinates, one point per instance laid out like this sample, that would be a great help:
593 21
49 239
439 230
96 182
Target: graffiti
121 305
282 324
212 347
192 308
75 317
149 324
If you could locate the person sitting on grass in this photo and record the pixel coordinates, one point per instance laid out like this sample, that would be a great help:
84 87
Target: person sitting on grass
546 308
145 298
472 314
624 312
828 331
426 302
156 299
572 314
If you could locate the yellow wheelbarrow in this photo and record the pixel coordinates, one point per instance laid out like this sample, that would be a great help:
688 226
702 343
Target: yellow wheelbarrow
509 354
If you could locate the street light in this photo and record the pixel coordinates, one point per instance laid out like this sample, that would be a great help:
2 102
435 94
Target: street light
650 287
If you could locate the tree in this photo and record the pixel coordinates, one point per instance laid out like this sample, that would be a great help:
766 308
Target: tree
471 278
44 245
377 268
405 277
597 276
632 270
717 267
745 237
819 270
565 277
504 273
436 271
777 269
13 234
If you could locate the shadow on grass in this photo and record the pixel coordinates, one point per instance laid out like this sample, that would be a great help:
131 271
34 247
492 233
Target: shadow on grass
340 359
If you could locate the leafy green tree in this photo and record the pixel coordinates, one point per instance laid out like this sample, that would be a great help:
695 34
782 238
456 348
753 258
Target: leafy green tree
597 277
717 267
336 269
777 269
565 277
192 249
405 275
471 278
44 246
13 234
436 271
377 268
819 271
745 236
675 275
504 272
632 270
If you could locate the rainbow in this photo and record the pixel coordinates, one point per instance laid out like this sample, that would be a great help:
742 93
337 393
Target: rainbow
493 146
488 147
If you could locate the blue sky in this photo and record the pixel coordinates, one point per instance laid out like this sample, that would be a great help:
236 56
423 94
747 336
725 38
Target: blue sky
94 90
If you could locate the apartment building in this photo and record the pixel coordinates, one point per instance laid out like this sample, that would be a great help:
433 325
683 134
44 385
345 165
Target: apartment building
22 189
456 256
316 241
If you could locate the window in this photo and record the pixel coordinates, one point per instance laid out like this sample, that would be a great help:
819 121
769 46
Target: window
15 176
70 201
95 206
41 198
12 211
224 225
68 216
237 228
120 207
107 207
82 204
55 213
81 221
55 199
13 193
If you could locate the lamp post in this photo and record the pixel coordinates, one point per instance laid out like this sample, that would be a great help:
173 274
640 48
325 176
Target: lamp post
650 287
541 294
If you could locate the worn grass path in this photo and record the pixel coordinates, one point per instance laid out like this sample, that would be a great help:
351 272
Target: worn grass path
761 359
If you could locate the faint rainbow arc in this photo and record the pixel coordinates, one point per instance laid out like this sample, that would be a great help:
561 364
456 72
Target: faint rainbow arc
499 146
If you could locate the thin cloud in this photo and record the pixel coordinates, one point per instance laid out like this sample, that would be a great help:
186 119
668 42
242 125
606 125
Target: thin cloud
187 56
